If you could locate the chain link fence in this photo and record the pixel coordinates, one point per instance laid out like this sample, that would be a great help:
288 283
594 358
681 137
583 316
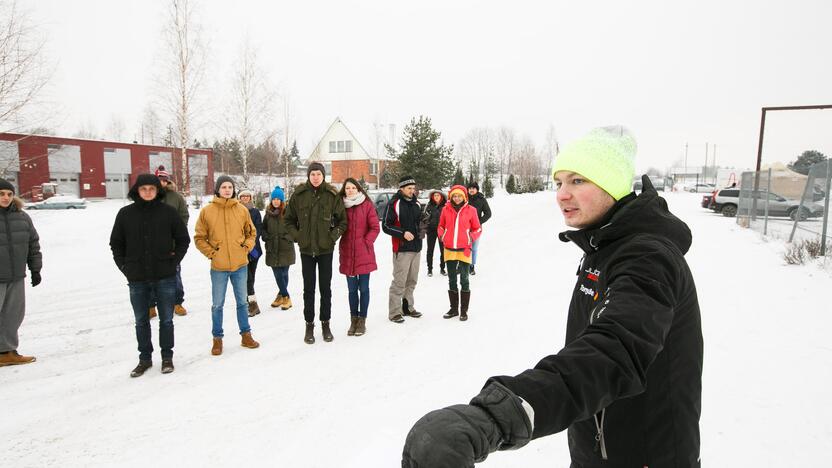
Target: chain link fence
791 207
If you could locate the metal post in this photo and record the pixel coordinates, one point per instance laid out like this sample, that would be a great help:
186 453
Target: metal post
825 212
759 162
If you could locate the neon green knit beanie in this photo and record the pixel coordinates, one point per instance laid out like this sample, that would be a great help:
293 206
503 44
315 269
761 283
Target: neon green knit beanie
605 156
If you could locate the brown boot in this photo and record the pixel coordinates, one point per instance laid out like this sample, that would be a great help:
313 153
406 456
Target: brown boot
353 323
465 298
453 297
13 359
361 326
248 341
287 303
179 310
278 301
216 349
151 312
309 336
326 331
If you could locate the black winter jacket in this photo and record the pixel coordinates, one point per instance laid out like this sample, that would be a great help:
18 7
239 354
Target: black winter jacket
628 382
480 203
403 215
19 243
434 211
148 239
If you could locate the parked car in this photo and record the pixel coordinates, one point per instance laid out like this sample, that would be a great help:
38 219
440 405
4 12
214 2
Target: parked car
707 199
59 202
700 188
659 183
726 201
380 199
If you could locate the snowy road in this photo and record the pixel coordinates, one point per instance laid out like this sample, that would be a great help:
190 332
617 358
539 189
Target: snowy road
350 403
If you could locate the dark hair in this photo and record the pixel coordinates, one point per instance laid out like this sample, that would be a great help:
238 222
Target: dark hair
281 210
343 193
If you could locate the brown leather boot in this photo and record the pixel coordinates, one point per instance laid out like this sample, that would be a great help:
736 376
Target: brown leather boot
216 349
179 310
326 331
361 326
453 297
248 341
13 359
353 323
151 312
278 301
465 297
309 336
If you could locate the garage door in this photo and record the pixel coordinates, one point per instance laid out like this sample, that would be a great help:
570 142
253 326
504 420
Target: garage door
116 186
67 183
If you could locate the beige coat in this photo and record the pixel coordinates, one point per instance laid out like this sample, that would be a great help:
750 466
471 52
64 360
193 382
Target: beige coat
225 233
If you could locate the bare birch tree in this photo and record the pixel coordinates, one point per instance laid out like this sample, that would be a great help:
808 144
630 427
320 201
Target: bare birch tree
476 148
23 73
505 146
150 131
251 108
186 65
550 149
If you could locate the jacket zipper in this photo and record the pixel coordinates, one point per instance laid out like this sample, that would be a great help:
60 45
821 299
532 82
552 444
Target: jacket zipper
599 436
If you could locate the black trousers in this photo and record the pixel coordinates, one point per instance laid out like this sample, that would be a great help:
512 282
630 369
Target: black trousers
252 269
323 263
432 241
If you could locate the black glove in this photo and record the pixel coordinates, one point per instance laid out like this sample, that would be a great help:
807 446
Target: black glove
461 435
35 278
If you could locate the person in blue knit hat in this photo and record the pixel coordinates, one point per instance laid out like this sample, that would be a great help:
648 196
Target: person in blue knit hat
628 383
280 250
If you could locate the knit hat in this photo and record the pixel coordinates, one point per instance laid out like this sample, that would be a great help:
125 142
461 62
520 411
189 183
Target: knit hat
278 193
406 180
460 190
474 185
316 166
162 173
6 185
605 156
246 192
221 180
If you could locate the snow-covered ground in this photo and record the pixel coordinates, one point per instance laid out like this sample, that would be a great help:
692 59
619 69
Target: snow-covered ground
350 403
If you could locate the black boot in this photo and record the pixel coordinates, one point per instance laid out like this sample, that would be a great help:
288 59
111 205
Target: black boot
442 270
407 311
326 331
167 366
453 296
309 337
463 311
139 370
471 271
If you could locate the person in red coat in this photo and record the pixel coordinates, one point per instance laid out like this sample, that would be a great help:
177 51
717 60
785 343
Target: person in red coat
459 227
356 252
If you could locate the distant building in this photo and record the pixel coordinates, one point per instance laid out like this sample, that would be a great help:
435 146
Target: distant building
343 156
94 168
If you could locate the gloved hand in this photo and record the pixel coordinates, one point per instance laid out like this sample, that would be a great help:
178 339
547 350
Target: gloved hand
35 278
461 435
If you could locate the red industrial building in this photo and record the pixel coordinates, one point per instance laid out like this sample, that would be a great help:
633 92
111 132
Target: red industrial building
94 168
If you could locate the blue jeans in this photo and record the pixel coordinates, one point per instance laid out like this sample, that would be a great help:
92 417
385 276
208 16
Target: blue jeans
281 275
359 288
474 249
219 285
141 294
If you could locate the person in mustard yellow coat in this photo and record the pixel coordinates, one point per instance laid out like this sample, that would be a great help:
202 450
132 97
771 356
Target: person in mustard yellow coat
225 234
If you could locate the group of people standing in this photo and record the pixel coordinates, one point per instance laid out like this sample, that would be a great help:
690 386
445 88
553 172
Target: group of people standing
150 238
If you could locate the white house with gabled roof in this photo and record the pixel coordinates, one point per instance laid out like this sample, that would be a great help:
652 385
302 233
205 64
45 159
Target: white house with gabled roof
344 156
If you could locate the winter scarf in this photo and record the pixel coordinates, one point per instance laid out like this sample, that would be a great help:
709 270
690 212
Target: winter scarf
358 199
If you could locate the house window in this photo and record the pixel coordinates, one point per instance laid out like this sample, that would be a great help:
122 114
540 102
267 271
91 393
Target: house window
53 146
340 146
348 143
109 150
373 167
331 146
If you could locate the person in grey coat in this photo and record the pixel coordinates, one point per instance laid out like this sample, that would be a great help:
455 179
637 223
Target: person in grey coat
19 248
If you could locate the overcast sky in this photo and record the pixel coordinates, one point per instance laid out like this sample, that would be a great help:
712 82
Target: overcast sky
674 72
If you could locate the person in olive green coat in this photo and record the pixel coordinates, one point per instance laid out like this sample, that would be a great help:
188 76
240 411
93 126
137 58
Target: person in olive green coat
280 251
316 218
175 199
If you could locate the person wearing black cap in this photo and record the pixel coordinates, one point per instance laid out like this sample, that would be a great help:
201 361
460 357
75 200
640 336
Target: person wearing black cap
148 241
225 234
316 218
404 222
21 247
479 202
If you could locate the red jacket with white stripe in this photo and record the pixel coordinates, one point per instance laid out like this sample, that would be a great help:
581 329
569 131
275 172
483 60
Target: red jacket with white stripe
459 229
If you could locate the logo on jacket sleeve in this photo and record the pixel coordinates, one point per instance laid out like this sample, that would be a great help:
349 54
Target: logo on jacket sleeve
592 274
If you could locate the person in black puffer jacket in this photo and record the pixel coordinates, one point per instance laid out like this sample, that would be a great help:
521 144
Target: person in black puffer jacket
480 203
19 248
628 382
148 241
433 211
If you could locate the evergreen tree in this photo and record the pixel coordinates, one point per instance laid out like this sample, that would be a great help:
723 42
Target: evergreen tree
459 179
363 183
806 160
488 188
511 184
421 155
